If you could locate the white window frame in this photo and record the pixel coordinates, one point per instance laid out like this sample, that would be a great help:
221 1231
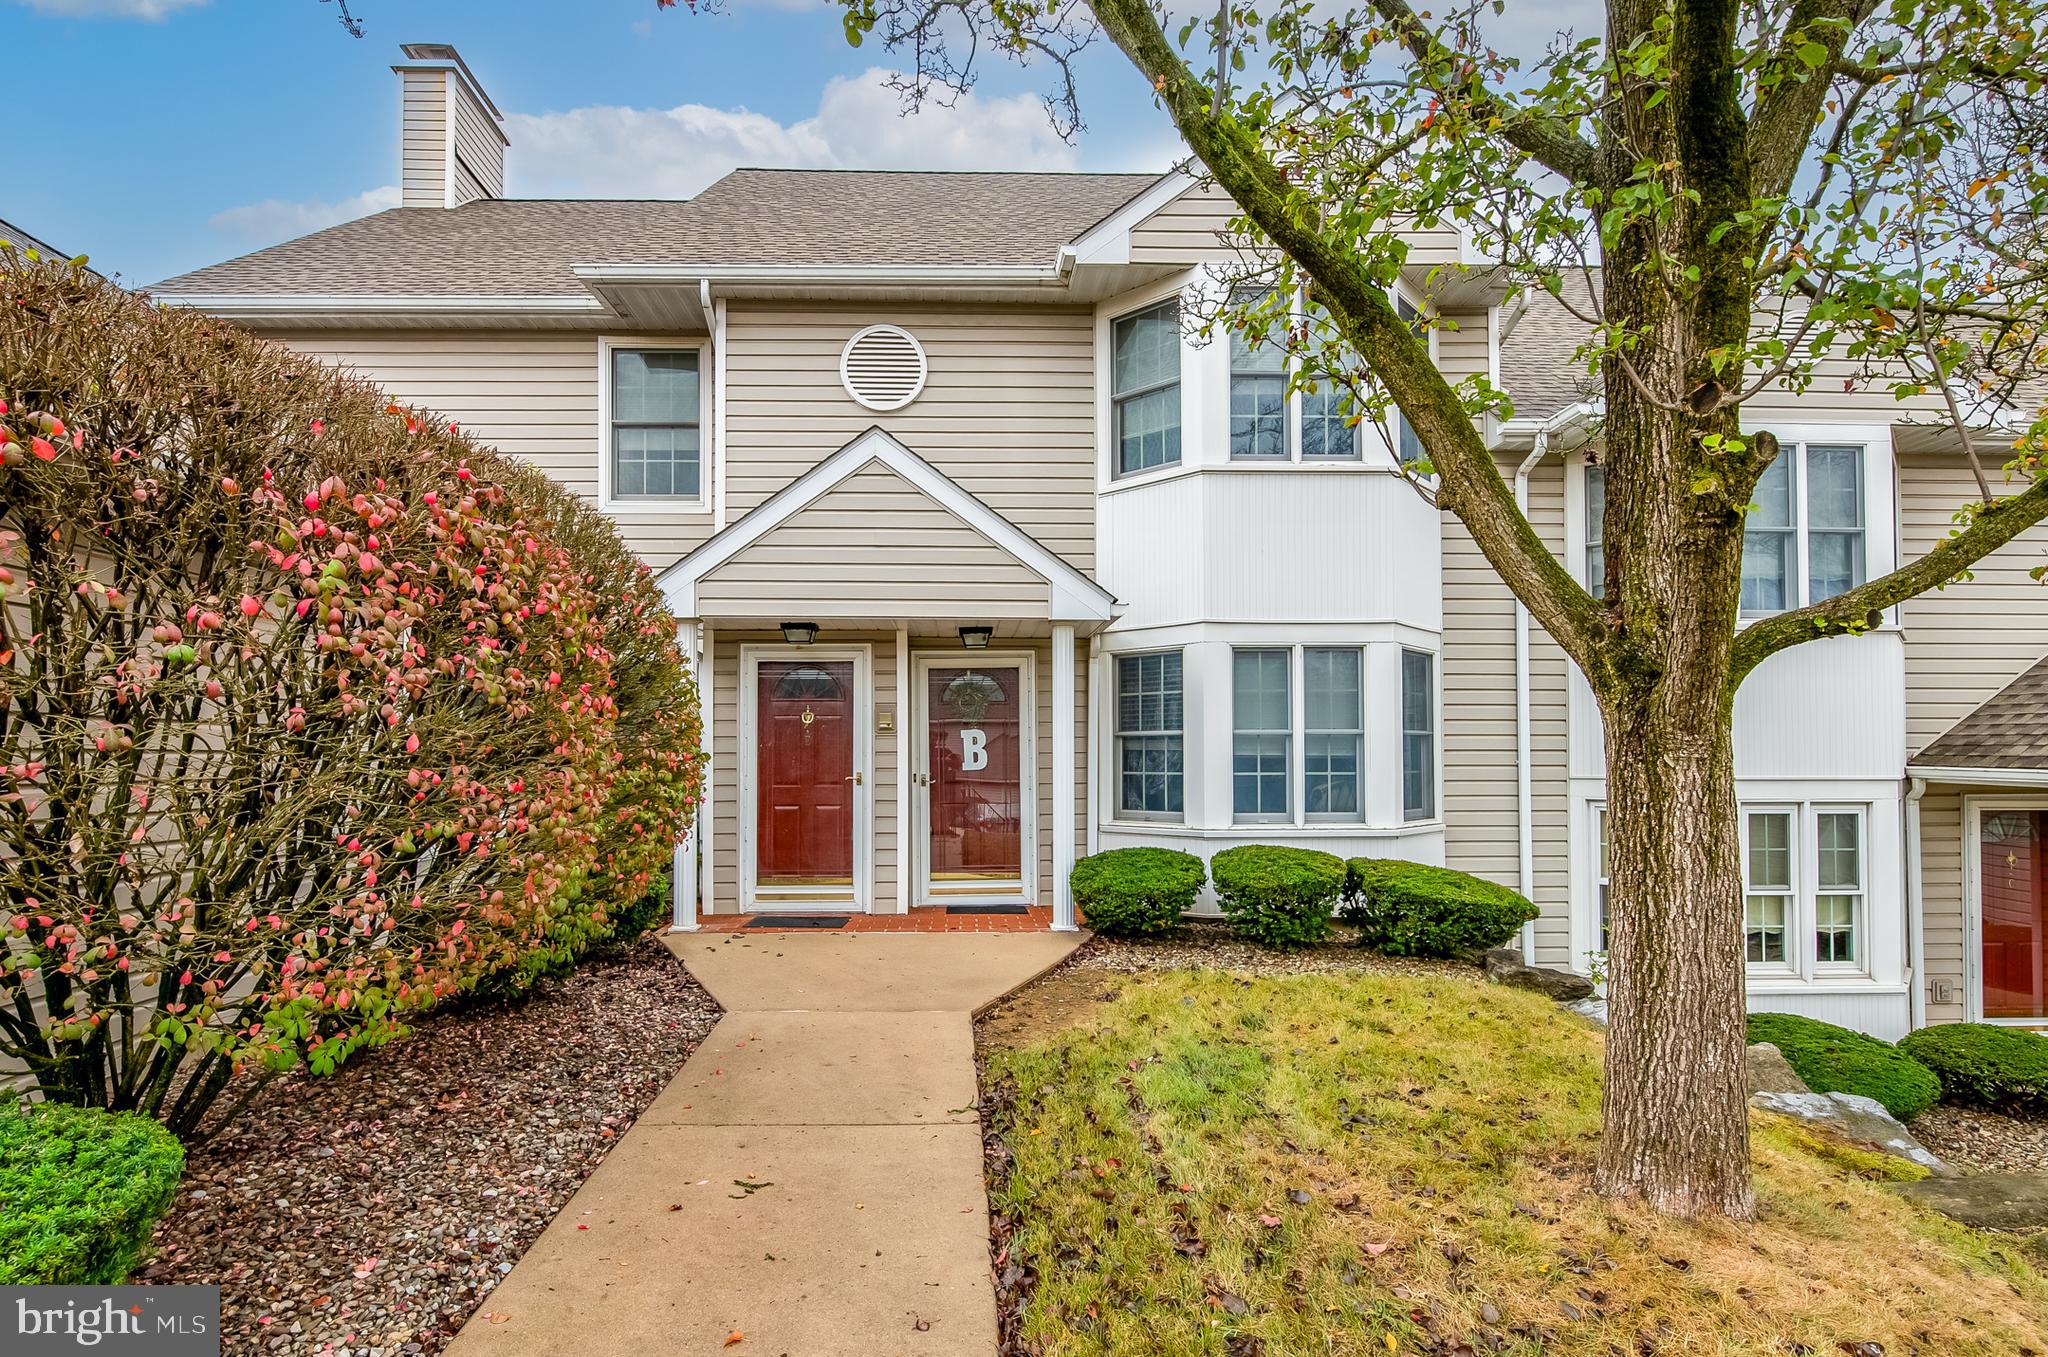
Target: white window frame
1114 399
1795 854
1292 417
1300 790
1802 911
708 452
1117 734
1291 660
1859 919
1436 734
1794 445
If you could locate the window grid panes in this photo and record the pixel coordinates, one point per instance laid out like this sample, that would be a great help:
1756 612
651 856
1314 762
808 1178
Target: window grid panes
1333 741
1596 530
1767 886
657 448
1834 520
1838 840
1262 717
1770 540
1600 873
1258 398
1409 442
1326 428
1148 734
1418 735
1145 386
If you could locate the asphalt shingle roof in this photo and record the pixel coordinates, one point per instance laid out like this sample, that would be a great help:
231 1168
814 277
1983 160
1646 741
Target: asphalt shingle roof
526 247
2010 730
1537 364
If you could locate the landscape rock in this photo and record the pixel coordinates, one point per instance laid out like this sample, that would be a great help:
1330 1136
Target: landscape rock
1769 1072
1592 1010
1504 966
1987 1201
1854 1117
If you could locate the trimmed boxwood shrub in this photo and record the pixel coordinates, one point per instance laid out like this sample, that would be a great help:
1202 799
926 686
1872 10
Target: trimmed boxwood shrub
1133 892
1413 909
1977 1063
1278 897
79 1190
1834 1059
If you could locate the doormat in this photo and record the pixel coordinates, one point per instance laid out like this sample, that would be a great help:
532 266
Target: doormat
798 921
988 909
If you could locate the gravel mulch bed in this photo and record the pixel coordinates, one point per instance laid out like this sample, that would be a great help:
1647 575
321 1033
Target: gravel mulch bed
1984 1142
367 1214
1207 944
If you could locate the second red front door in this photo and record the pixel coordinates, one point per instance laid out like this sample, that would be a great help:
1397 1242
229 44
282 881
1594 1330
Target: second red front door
975 753
804 781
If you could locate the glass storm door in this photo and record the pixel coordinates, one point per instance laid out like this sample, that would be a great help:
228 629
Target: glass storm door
2012 868
975 779
804 787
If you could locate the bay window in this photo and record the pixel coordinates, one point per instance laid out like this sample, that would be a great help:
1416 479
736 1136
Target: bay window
1328 726
1145 388
1150 756
1333 745
1261 731
1418 735
1596 530
1804 538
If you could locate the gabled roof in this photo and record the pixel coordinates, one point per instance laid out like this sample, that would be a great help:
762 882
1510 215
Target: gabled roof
2009 731
528 247
1073 597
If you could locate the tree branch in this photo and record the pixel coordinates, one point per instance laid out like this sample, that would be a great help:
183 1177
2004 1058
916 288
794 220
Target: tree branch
1784 119
1993 527
1470 482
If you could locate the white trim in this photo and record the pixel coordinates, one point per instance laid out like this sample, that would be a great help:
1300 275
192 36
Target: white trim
1063 774
1109 240
914 829
928 274
324 303
748 749
1983 777
448 119
1095 762
1973 901
1107 313
924 367
707 819
707 449
718 352
906 867
683 888
1073 596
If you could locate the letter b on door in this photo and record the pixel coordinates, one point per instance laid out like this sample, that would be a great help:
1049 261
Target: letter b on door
973 750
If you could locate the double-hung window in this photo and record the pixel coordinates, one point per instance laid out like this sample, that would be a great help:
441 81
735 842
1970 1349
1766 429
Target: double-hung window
1803 888
1258 397
656 436
1596 530
1145 388
1407 441
1418 735
1262 724
1804 538
1333 739
1151 775
1602 878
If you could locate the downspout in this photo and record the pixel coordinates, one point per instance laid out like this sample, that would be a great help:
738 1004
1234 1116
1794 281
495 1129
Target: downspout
1916 929
1525 812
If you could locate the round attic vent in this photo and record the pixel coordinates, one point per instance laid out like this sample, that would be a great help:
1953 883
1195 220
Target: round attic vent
883 367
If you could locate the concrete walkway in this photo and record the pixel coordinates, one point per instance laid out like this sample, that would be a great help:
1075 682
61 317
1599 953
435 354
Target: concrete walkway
811 1179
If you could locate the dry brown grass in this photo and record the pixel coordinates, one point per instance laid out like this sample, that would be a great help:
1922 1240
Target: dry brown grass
1382 1164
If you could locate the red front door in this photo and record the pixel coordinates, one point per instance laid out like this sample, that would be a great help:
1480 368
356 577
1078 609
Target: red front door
804 778
975 745
2012 869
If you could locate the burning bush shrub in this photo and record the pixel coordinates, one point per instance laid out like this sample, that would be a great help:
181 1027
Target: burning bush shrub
310 709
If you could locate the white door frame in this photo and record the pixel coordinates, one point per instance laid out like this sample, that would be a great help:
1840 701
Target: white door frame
807 900
916 830
1973 901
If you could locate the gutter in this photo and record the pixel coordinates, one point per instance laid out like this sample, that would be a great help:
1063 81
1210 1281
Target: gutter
1916 927
931 275
359 304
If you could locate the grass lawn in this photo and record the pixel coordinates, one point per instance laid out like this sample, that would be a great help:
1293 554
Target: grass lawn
1330 1164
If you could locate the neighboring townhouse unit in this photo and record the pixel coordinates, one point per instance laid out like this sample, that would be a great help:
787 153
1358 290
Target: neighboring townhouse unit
988 561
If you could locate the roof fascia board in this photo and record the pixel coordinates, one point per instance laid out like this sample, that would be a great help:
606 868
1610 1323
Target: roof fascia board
281 303
1109 240
1982 777
967 274
1073 596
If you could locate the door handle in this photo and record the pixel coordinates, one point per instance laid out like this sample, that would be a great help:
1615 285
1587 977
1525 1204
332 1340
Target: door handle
854 778
924 779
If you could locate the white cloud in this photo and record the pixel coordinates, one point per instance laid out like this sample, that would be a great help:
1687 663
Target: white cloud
610 151
275 219
112 9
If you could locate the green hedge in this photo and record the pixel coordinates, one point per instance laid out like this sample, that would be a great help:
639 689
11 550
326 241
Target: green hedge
80 1189
1977 1063
1834 1059
1412 909
1132 892
1278 897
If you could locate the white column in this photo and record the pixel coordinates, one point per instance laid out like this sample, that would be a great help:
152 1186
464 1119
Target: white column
707 694
1063 773
907 825
1092 808
683 887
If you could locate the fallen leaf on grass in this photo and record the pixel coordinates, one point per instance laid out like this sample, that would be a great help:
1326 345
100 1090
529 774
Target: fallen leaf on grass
746 1189
734 1337
1374 1250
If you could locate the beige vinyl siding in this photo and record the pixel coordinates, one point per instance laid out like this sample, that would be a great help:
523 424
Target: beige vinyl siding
874 546
1185 232
1941 885
1008 410
890 836
479 150
1462 345
1967 641
423 150
1480 832
533 396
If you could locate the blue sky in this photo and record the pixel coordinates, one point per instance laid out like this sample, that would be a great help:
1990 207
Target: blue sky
174 133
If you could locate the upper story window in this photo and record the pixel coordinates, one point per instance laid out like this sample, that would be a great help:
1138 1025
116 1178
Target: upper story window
656 437
1418 735
1145 387
1596 530
1150 763
1804 541
1268 425
1408 443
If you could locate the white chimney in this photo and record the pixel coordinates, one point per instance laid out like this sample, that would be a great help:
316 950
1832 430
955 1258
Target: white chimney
451 139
